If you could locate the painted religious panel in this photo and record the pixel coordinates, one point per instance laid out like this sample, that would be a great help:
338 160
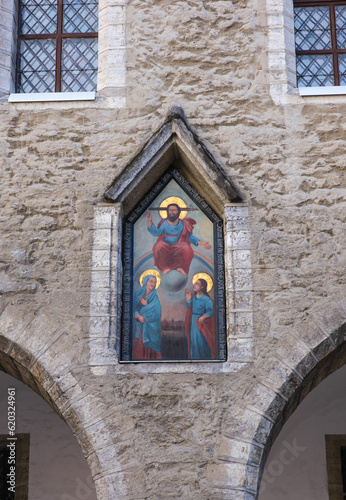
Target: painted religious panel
173 301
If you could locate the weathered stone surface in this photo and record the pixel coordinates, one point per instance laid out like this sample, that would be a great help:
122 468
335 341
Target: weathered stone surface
181 431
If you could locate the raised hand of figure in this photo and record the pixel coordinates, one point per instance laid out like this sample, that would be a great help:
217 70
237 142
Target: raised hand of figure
188 295
149 219
205 244
143 301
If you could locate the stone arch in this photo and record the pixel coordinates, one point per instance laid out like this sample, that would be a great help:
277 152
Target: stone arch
65 397
321 361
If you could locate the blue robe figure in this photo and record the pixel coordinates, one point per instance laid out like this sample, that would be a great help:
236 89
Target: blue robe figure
200 336
146 342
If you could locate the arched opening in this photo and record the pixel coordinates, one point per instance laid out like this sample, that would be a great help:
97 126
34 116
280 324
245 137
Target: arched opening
296 468
53 465
332 356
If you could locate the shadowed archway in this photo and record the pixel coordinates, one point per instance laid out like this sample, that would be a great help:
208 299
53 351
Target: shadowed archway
17 362
319 363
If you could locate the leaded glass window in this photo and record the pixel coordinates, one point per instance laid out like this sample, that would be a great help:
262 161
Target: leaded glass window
320 37
57 46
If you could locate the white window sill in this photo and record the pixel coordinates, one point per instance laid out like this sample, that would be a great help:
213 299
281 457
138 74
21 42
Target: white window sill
53 96
313 91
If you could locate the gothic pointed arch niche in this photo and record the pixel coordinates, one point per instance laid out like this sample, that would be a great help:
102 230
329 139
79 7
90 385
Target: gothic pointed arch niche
174 167
175 146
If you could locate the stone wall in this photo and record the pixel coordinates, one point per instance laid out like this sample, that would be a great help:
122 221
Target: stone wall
188 435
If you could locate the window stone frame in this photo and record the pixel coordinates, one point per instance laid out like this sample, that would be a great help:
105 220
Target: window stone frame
282 61
281 50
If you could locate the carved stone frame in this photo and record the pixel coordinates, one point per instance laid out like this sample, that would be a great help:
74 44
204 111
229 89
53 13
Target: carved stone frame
176 144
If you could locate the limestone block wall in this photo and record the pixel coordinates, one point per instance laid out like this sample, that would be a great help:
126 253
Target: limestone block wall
179 433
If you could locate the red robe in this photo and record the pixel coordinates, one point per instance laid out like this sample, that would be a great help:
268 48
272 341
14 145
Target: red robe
177 255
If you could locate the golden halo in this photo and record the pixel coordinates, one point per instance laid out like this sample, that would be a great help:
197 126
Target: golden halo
205 277
153 272
169 201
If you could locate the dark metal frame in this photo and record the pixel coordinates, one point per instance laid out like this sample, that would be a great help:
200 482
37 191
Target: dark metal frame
334 51
58 36
219 268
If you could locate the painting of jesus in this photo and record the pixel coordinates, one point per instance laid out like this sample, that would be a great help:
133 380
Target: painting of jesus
173 250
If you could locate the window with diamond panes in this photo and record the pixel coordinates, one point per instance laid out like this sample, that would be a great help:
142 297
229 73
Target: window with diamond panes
320 37
57 46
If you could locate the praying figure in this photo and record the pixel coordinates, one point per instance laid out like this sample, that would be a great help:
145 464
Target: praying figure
146 343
